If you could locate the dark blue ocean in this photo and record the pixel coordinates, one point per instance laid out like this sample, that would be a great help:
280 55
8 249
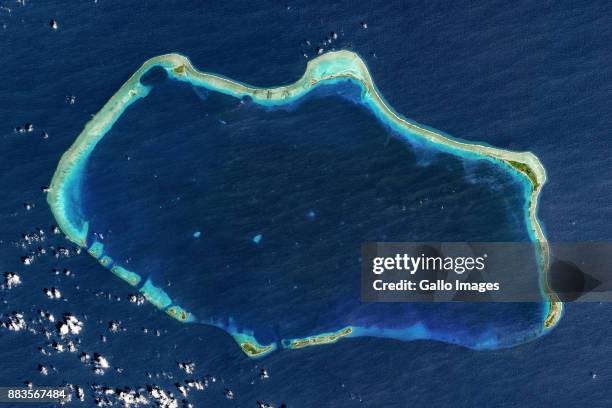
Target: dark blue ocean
525 77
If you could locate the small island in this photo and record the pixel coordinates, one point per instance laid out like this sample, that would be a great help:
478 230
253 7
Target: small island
324 338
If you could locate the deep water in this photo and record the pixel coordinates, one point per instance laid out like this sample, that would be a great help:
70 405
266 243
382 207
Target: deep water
525 76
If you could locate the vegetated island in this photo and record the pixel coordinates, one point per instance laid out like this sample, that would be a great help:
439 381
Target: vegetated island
64 197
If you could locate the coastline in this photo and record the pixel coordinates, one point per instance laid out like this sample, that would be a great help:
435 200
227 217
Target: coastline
327 68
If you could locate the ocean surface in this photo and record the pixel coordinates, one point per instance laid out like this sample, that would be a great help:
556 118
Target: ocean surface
524 77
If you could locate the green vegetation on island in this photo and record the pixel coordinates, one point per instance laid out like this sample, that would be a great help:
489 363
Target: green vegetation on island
526 170
324 338
255 350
